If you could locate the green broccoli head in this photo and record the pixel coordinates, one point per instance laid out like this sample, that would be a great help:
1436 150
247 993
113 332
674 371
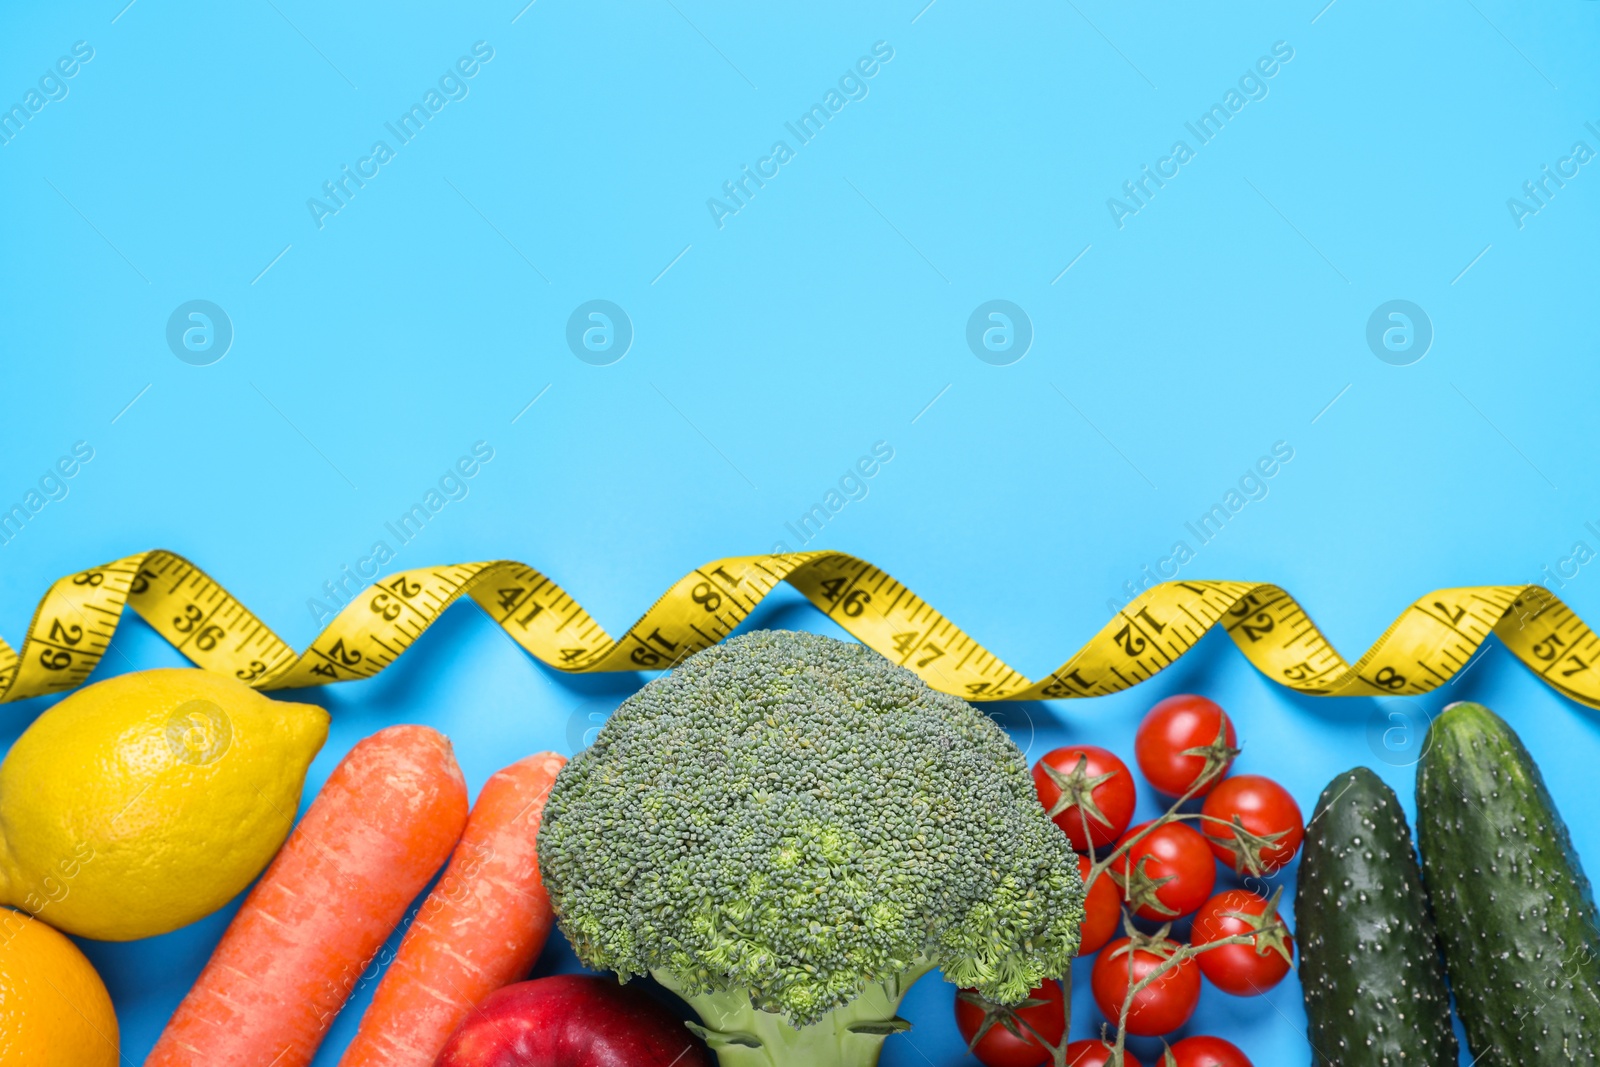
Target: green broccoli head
797 819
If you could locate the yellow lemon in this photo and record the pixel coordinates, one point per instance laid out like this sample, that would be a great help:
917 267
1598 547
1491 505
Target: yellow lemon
142 803
54 1010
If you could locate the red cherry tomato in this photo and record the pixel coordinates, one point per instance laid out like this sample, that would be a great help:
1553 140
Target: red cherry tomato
1207 1052
1067 777
1102 912
1179 739
1160 1007
1095 1054
1006 1040
1266 810
1168 873
1248 969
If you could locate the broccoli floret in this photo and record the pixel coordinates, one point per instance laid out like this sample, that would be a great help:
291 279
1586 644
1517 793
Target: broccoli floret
789 830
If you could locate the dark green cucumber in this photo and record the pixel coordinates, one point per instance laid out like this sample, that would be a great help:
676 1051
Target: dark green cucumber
1369 962
1516 916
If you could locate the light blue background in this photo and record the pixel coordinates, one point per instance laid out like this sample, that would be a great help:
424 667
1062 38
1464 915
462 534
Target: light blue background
1227 315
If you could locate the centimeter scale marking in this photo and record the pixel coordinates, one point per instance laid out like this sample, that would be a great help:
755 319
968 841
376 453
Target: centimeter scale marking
1432 640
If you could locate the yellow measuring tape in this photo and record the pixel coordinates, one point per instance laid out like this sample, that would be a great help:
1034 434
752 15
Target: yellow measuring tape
1430 641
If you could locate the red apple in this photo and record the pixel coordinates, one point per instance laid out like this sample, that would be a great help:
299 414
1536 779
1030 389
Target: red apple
572 1020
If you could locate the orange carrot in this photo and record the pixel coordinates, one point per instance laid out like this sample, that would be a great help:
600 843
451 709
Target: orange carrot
383 824
481 928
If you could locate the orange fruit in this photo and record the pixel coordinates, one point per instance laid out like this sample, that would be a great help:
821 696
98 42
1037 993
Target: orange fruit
54 1010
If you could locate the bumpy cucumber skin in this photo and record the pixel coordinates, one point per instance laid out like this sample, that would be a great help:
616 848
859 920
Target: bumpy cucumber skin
1515 913
1369 965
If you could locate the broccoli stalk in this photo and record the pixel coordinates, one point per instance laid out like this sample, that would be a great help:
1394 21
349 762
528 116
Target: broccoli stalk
852 1035
788 831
